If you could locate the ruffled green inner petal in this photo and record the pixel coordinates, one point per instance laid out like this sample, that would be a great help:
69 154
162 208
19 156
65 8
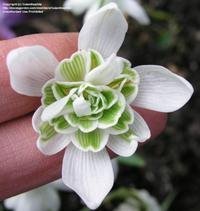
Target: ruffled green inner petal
110 96
131 73
117 83
129 90
47 131
83 123
90 140
127 83
111 116
48 96
74 69
89 108
128 136
95 116
97 100
122 125
61 125
96 59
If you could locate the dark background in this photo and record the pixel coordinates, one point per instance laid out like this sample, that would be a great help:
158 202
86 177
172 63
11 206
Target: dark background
172 161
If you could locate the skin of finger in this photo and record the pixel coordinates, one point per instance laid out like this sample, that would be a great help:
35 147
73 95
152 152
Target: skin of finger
12 104
24 167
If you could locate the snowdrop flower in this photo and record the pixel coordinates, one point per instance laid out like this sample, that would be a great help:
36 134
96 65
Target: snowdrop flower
44 198
86 101
142 201
130 7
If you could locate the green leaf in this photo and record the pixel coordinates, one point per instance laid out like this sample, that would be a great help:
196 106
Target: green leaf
111 116
93 140
122 125
84 124
85 209
133 161
47 94
168 201
47 131
96 59
74 69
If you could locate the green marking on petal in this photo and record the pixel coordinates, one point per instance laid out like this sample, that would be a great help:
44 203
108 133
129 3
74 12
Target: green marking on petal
129 91
118 83
95 116
47 94
127 64
96 59
97 100
84 124
62 126
58 91
128 136
122 125
62 89
132 74
46 131
127 83
110 96
92 140
74 69
111 116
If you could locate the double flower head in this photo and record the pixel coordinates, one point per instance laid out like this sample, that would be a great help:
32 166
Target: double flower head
86 101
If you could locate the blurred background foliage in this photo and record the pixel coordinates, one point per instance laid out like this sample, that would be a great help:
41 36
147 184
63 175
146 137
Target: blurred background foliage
168 167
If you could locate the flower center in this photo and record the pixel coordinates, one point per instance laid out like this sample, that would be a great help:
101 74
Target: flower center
88 95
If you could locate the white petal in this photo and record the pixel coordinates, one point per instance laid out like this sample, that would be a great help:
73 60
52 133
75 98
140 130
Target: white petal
78 6
54 145
36 119
89 174
40 199
81 107
135 10
140 128
91 11
56 108
30 68
104 31
106 72
161 90
11 203
122 147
